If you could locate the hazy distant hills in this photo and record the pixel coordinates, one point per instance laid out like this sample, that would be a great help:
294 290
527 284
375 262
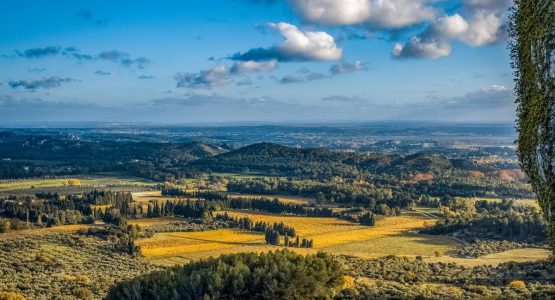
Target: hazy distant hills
276 159
62 154
54 148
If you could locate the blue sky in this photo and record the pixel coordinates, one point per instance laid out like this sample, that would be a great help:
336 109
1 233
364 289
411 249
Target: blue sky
264 60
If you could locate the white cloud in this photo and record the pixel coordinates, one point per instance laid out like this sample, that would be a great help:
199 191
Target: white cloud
376 14
450 26
214 76
494 88
346 67
222 74
485 28
253 66
418 48
333 12
312 45
298 45
485 24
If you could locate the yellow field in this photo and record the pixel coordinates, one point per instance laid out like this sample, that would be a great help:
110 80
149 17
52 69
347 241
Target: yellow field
191 243
336 236
101 181
516 255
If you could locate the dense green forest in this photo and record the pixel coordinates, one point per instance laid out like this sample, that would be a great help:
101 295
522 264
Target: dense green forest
34 156
274 275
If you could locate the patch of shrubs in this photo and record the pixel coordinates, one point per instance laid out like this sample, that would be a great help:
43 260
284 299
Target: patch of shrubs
401 277
484 247
64 266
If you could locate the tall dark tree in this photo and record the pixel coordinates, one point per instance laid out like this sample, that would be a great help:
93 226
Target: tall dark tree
533 59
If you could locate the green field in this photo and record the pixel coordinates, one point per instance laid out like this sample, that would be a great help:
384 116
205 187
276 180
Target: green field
84 181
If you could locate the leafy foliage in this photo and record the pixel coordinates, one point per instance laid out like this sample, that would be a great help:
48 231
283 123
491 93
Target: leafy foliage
533 58
402 278
56 266
502 221
274 275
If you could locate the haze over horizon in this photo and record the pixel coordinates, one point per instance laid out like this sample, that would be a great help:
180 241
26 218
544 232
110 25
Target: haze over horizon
255 61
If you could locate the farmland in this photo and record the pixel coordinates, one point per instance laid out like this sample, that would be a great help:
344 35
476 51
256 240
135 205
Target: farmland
389 236
352 206
99 181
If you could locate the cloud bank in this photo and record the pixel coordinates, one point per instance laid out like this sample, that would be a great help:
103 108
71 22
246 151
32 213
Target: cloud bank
485 24
44 83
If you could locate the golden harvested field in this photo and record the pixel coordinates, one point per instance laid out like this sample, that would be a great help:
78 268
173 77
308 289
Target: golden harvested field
337 236
185 243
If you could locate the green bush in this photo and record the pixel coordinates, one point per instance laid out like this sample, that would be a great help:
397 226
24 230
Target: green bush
274 275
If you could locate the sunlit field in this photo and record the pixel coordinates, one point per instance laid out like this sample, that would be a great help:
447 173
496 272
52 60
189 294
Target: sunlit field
389 236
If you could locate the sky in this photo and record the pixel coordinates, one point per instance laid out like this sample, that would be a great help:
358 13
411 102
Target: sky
212 61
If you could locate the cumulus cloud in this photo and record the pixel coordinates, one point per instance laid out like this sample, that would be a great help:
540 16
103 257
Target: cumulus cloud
375 14
346 67
416 47
485 28
222 74
485 24
298 45
44 83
